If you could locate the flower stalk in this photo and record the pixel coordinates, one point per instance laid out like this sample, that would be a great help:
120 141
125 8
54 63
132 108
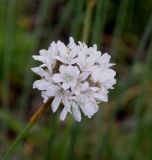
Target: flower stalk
37 115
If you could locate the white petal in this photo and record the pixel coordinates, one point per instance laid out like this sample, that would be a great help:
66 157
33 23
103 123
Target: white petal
39 71
45 97
61 59
49 63
62 68
106 75
43 52
63 114
71 41
76 114
109 83
57 78
52 91
39 58
100 97
66 109
41 84
89 108
66 85
94 89
53 49
73 61
81 56
56 103
83 76
71 70
62 49
84 86
92 58
95 74
105 58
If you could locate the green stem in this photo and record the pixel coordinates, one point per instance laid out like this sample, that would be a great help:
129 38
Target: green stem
37 115
87 21
17 140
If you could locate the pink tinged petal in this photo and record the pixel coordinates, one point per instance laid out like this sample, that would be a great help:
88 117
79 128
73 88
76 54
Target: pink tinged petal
76 114
41 84
57 78
39 58
56 103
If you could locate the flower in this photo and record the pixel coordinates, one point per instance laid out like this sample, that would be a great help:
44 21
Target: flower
68 76
78 78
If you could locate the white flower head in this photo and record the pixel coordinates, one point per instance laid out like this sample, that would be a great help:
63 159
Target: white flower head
76 76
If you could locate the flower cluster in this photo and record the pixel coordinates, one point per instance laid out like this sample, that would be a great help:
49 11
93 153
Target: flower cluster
76 76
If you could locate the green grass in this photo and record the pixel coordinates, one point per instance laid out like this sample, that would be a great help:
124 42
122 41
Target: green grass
122 128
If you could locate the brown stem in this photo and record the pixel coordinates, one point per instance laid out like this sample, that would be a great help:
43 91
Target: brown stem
42 109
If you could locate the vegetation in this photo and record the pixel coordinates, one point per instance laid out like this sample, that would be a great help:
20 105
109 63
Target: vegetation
122 128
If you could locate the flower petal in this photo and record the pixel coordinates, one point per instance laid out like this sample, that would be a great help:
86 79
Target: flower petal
57 78
39 58
83 76
43 52
56 103
89 108
63 114
66 85
41 84
76 113
106 75
39 71
45 97
62 49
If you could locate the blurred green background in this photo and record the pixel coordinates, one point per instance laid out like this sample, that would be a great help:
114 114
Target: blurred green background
122 129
